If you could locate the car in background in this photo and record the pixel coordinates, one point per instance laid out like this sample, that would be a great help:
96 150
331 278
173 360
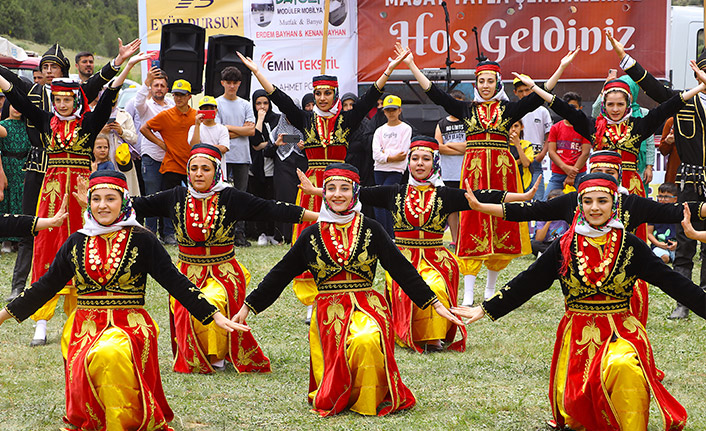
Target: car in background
22 68
127 92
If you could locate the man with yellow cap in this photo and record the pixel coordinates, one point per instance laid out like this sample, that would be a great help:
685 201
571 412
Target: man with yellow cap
173 125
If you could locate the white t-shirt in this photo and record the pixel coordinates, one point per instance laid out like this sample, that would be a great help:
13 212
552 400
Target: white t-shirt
451 164
236 113
216 134
536 125
388 141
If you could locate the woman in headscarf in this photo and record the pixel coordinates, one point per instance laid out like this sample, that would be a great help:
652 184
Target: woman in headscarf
488 163
646 156
110 342
67 133
204 216
419 211
603 371
351 341
262 153
326 131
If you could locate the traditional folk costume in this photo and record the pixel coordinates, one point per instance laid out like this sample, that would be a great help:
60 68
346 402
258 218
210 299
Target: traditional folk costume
68 142
205 228
603 371
110 342
36 163
326 137
632 210
351 340
419 211
689 129
488 164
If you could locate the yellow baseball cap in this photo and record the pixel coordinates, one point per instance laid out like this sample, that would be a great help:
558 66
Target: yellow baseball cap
516 80
181 86
391 102
208 100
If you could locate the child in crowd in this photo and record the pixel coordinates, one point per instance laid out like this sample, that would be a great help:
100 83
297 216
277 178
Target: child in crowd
663 236
101 154
390 147
206 131
523 152
568 151
547 231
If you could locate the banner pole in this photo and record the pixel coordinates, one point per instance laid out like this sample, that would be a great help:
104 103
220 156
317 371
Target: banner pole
327 8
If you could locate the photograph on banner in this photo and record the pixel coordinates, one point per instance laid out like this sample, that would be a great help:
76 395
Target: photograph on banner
524 36
291 65
217 17
297 19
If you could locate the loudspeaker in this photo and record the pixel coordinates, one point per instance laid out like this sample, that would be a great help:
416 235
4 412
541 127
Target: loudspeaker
181 54
221 54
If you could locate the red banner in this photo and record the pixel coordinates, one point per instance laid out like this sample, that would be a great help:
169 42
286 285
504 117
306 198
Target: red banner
527 36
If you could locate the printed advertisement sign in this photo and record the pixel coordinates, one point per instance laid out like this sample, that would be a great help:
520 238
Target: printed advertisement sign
528 36
299 19
216 16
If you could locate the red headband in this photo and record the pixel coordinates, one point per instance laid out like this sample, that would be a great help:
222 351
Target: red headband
325 83
433 146
342 174
487 68
202 151
597 184
107 181
617 84
606 159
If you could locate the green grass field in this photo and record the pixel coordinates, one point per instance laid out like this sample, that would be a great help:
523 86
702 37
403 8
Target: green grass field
499 383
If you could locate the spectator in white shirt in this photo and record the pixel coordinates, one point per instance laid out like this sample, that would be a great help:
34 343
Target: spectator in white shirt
390 147
206 131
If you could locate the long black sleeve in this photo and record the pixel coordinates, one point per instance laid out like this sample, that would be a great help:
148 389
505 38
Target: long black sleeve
35 115
17 225
96 119
94 84
157 205
647 125
654 271
295 115
44 289
361 108
560 208
292 264
649 84
400 269
455 199
380 196
644 210
583 124
457 108
535 279
165 273
249 207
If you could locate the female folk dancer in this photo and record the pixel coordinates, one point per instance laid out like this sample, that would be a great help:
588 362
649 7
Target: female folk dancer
419 211
204 217
603 372
68 137
326 131
351 340
487 164
616 129
112 369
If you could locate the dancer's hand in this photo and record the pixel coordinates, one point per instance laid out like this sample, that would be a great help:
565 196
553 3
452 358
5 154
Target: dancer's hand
568 58
4 315
529 194
529 82
81 193
689 230
241 316
446 314
126 51
405 53
470 313
617 46
471 197
57 220
229 325
306 186
248 62
700 74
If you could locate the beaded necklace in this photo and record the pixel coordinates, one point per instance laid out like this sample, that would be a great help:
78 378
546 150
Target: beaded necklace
341 239
489 118
209 207
602 250
416 202
113 254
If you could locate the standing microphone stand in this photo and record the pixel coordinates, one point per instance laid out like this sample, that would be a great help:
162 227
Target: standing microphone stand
448 48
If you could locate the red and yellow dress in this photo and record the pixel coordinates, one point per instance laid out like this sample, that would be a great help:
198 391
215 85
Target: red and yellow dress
625 138
110 348
205 231
419 215
69 147
488 164
603 371
325 142
351 337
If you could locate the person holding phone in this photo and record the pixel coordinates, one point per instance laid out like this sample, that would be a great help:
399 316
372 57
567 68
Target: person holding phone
663 236
206 131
